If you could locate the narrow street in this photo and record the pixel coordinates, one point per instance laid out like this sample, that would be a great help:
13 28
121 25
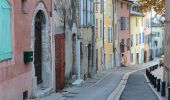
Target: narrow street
100 89
137 88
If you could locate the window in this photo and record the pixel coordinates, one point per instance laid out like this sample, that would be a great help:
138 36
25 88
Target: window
110 11
101 28
127 6
86 12
5 33
123 23
104 6
110 35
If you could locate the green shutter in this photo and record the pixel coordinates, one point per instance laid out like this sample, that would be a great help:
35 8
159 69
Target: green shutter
5 34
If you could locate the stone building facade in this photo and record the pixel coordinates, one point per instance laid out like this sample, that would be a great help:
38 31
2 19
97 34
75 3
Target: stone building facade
124 30
78 41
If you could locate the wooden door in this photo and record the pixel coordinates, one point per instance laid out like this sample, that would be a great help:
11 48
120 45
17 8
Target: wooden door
60 61
38 52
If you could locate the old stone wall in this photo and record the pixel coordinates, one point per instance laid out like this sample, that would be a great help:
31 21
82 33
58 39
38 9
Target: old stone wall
65 16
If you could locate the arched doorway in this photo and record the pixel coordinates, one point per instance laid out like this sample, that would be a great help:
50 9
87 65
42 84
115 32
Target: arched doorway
39 22
41 45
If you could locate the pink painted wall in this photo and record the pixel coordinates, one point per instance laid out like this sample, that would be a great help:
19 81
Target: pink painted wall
15 76
146 33
124 11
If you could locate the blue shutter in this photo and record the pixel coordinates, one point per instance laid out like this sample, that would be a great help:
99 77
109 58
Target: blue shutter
92 13
158 34
81 12
88 12
85 12
5 34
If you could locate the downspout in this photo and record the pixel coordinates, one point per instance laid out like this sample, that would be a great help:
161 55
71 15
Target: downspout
103 34
53 49
151 37
93 41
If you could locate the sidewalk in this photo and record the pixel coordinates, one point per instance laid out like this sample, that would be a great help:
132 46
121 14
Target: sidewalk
137 88
98 88
159 74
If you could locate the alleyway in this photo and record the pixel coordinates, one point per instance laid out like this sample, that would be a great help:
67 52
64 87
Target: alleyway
137 88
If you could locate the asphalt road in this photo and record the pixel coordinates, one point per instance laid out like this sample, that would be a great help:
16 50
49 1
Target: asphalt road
98 92
137 88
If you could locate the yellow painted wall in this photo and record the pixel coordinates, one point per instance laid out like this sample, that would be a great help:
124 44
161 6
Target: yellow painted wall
108 22
99 31
135 29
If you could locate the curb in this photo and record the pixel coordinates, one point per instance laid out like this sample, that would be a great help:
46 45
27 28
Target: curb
115 95
156 93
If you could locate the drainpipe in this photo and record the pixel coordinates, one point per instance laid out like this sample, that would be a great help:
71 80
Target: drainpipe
151 36
103 34
52 49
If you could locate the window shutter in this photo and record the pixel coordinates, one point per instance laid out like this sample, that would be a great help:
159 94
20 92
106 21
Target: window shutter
139 38
88 12
143 37
85 13
92 13
81 12
5 34
123 23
